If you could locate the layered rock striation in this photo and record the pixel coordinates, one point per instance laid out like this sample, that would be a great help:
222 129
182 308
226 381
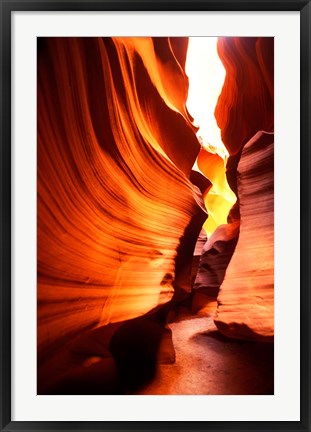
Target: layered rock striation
115 152
246 299
120 208
238 257
246 103
215 257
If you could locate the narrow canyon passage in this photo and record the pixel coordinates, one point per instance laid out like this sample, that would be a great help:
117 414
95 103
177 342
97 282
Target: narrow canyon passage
130 175
208 363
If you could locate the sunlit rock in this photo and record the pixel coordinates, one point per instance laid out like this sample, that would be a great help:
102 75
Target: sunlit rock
219 198
124 187
115 151
245 104
246 298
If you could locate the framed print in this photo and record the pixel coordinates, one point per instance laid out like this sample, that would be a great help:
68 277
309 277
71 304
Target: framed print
155 215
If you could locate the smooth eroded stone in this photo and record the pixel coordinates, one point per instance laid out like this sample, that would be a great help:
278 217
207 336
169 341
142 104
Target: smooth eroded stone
215 257
246 102
115 151
246 298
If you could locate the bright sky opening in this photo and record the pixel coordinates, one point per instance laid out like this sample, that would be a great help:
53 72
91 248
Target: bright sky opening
206 77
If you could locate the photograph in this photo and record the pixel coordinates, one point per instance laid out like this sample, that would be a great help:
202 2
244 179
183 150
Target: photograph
155 215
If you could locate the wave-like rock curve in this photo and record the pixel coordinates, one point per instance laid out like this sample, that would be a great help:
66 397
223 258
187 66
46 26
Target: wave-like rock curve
246 299
115 151
246 102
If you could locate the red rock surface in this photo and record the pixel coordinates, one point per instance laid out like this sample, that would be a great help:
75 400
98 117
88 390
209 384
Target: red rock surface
115 151
215 257
246 298
120 209
245 104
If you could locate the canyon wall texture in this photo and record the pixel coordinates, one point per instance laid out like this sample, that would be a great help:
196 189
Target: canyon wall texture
246 102
115 152
245 115
119 206
246 299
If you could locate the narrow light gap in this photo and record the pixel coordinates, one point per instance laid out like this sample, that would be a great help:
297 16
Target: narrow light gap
206 77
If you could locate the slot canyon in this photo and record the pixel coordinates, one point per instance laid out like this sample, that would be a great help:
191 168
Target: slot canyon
155 223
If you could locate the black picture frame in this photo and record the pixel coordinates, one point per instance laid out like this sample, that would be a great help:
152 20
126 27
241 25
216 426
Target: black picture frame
7 7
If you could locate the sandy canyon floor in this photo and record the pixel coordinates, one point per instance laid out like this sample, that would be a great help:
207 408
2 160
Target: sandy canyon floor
208 363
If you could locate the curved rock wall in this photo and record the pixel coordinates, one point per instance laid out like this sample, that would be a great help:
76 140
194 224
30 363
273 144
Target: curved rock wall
118 216
115 151
219 198
246 103
246 299
241 262
215 257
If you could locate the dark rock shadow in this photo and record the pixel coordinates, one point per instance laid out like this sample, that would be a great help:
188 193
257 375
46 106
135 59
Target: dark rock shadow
135 349
247 365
